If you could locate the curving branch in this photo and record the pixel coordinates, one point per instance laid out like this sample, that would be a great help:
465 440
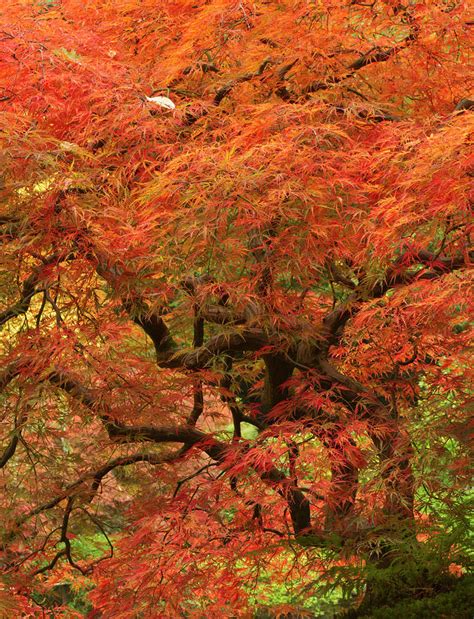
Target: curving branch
464 105
29 290
398 274
227 88
168 353
9 374
188 435
155 327
74 489
247 340
22 305
10 450
373 56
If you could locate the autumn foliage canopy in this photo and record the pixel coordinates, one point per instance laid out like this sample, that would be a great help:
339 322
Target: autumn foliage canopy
234 305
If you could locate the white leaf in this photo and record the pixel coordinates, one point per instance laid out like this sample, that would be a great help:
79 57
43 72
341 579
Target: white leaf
162 101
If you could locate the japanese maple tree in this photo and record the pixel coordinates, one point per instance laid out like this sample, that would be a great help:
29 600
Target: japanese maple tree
235 304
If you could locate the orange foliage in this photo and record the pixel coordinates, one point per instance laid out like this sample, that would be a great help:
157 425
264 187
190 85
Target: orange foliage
281 242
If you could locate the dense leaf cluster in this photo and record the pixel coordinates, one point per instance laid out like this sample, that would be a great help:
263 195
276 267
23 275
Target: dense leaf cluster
235 244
